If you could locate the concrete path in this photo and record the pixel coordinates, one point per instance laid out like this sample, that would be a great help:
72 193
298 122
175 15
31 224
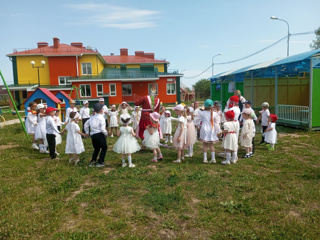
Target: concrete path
14 121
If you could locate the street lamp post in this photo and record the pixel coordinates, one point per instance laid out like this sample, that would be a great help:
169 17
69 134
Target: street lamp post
275 18
219 54
42 66
212 61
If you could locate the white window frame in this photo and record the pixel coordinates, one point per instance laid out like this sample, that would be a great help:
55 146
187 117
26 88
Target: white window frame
85 67
175 89
99 95
66 78
150 86
130 87
85 93
112 94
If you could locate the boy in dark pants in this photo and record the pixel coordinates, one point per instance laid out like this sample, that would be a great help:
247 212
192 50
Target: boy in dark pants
51 129
98 135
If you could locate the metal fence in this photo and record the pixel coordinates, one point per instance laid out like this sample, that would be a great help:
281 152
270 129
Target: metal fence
293 113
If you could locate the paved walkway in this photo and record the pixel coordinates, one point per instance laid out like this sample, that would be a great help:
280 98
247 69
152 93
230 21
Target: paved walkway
14 121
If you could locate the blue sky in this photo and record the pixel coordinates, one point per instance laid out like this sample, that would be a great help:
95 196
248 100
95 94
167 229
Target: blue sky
187 33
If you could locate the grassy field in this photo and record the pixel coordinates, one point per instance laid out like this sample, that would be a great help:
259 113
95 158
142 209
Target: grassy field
274 195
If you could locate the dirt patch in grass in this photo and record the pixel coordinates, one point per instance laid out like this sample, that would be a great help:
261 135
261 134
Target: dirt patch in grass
107 170
9 145
84 186
293 135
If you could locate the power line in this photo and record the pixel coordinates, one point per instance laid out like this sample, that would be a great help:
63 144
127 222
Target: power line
250 55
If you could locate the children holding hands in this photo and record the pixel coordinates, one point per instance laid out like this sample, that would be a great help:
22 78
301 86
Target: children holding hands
152 137
74 144
209 130
126 143
98 135
180 136
230 141
247 132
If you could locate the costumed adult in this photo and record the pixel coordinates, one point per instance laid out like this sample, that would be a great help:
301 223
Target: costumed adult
241 101
150 104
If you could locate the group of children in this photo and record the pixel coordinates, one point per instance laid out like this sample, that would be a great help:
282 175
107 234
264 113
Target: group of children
207 124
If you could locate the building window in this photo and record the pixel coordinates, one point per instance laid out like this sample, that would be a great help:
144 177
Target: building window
123 67
99 90
147 67
150 85
63 80
171 88
86 68
24 94
113 90
85 90
126 89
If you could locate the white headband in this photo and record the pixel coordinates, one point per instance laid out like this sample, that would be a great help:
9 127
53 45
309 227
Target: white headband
76 116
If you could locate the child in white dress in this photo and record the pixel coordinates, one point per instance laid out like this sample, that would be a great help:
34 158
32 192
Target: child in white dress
270 134
31 122
191 133
113 121
74 144
209 130
230 141
152 137
247 132
264 119
40 130
166 127
123 108
126 143
162 116
180 136
135 117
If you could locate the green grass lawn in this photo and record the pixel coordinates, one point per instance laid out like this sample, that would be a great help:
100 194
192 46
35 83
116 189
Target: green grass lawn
274 195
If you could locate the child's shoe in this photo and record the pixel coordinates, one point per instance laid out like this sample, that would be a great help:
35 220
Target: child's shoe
111 135
233 161
171 139
166 141
76 162
154 160
71 160
131 165
205 160
98 165
57 153
225 162
212 161
177 161
35 147
188 155
92 164
160 157
247 156
124 165
271 148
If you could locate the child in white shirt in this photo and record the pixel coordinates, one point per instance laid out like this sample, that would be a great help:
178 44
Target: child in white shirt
265 119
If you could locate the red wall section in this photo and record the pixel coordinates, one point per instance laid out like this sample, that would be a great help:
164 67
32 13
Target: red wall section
138 89
61 66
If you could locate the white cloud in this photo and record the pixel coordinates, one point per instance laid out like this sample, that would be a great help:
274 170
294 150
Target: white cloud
110 16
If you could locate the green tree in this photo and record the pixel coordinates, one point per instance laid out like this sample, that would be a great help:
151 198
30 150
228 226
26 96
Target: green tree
316 43
202 88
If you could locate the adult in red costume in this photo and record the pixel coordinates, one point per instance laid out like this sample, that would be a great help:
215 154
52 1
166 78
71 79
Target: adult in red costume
149 104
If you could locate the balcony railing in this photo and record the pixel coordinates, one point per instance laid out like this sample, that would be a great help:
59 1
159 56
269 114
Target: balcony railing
123 74
294 114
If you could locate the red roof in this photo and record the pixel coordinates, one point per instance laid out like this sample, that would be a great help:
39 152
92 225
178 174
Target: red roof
50 95
64 94
62 50
131 59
